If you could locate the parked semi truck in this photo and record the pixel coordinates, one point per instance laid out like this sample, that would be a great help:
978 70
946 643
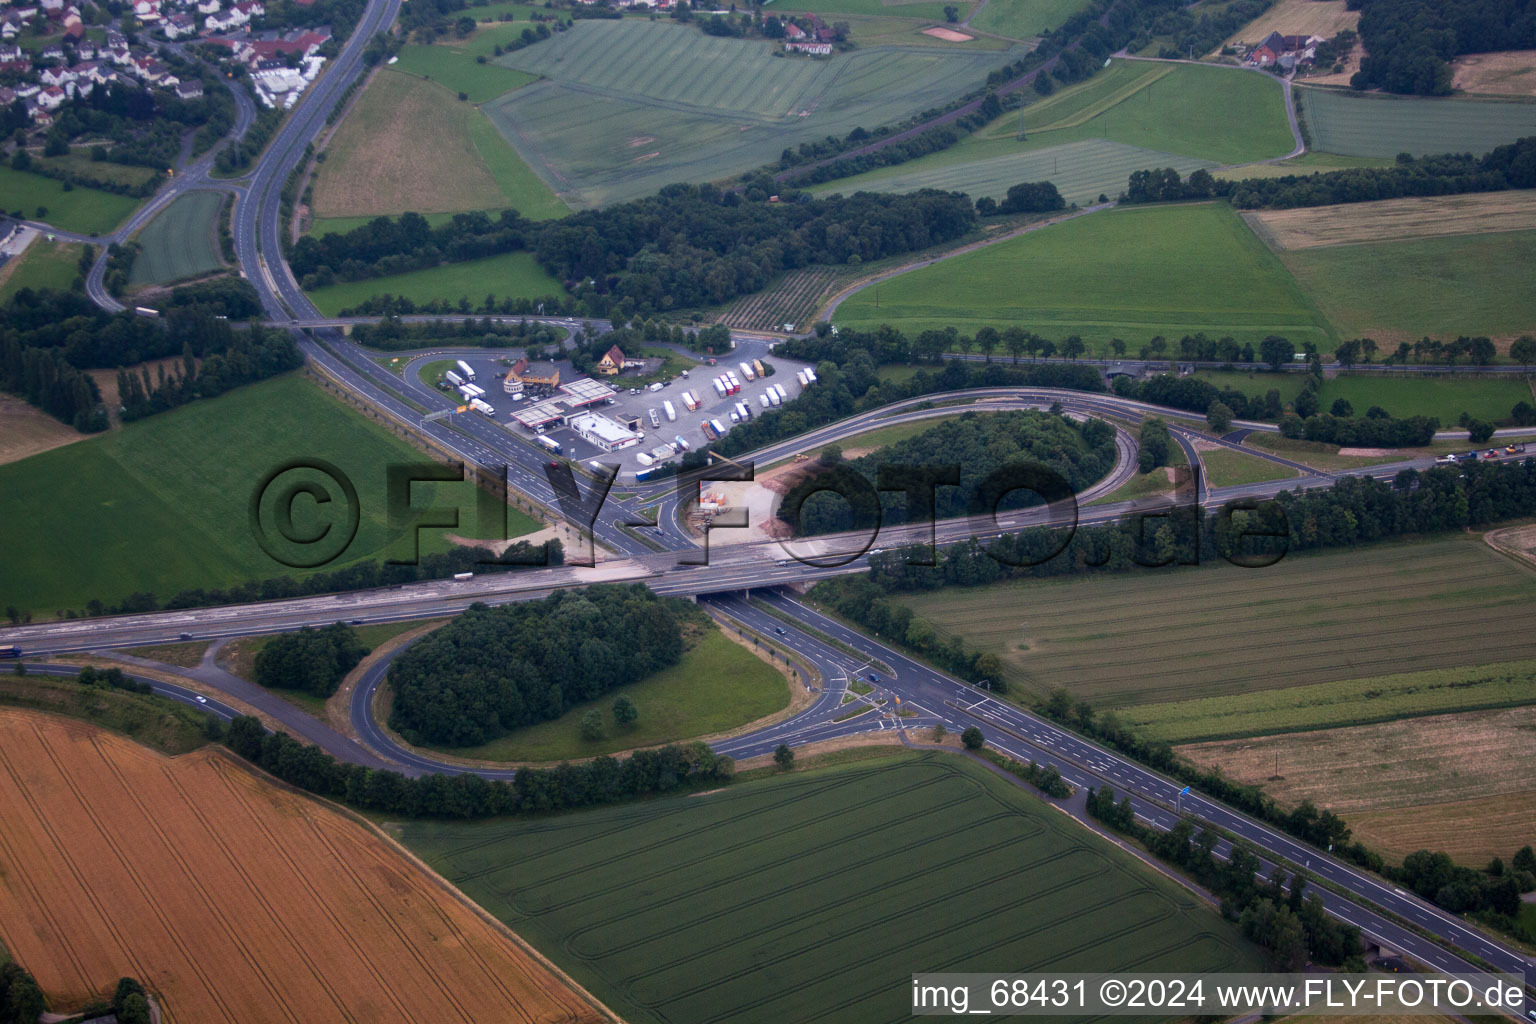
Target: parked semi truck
654 417
669 410
453 378
746 371
482 407
467 373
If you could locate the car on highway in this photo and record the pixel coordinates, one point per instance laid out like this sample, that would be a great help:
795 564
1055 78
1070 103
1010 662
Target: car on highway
357 622
1515 449
1491 453
779 630
201 699
874 678
186 636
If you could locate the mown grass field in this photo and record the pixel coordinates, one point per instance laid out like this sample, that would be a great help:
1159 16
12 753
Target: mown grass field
718 686
628 106
1441 287
512 274
1333 704
45 264
1446 398
181 241
79 162
1359 124
220 863
1306 163
86 211
389 154
1159 635
924 9
163 503
1088 138
1024 19
810 897
1130 273
1227 468
1471 831
451 63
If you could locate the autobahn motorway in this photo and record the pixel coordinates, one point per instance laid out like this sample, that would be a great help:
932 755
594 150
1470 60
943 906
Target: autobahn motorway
652 555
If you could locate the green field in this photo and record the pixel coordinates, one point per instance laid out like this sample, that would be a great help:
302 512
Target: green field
814 897
452 63
45 264
1024 19
1444 287
1081 171
1358 124
1446 398
927 10
79 162
1128 273
1343 703
181 241
1089 137
1161 634
512 274
628 106
1227 468
163 503
717 687
1307 163
85 211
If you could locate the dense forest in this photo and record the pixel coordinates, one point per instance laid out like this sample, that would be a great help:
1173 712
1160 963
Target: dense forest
1506 167
388 245
1409 43
602 780
312 660
977 447
48 339
492 670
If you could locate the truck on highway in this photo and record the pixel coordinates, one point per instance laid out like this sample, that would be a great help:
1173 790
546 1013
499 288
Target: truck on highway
482 407
550 443
10 652
654 417
146 311
453 378
463 575
467 373
670 411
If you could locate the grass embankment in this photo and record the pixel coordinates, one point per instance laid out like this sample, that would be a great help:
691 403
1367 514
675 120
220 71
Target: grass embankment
164 501
747 868
159 724
717 686
510 275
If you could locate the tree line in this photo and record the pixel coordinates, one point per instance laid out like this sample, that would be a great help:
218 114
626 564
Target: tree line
977 445
1511 166
21 1000
394 245
492 670
234 358
393 335
602 780
1277 914
1409 43
312 660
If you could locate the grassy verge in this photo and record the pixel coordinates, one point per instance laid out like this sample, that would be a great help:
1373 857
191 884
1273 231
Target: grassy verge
1227 468
160 724
188 655
510 275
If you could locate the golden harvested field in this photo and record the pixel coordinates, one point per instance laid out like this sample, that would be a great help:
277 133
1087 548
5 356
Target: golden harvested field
1326 18
232 899
1386 220
1473 832
1418 775
1507 73
25 430
405 146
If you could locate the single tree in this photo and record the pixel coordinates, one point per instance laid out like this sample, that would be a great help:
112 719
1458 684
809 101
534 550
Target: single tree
1479 431
1523 350
784 757
972 738
939 732
1219 416
1342 408
951 13
624 712
592 725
